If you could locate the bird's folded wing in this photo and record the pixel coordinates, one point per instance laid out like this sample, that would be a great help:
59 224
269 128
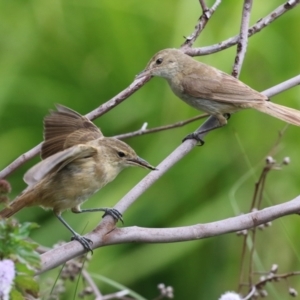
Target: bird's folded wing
222 88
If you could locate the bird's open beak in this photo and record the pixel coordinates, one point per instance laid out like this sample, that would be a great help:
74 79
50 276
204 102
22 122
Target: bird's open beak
141 163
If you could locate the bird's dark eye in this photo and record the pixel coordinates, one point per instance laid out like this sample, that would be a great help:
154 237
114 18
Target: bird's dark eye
121 154
159 61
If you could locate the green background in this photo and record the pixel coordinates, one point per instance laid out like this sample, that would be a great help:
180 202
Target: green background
80 54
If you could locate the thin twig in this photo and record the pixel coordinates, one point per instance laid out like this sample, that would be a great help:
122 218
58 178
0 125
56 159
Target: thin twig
118 295
281 133
206 15
252 292
257 27
160 128
92 284
257 198
270 278
251 254
243 39
276 276
243 261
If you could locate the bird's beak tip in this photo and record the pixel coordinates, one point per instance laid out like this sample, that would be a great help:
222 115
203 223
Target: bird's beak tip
143 163
148 166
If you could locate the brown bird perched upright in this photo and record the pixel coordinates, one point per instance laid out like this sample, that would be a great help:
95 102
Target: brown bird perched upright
78 161
211 90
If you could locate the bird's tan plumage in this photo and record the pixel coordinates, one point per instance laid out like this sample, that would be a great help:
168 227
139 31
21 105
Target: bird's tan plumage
211 90
77 161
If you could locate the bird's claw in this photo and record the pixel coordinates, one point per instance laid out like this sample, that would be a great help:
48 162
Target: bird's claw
85 242
194 136
114 213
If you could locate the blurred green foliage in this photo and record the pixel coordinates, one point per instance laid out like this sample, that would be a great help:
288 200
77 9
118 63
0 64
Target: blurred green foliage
82 53
14 246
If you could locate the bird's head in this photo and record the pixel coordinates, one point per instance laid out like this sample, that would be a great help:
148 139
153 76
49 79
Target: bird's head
120 155
164 64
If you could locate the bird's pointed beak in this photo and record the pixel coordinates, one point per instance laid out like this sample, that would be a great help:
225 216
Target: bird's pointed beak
141 163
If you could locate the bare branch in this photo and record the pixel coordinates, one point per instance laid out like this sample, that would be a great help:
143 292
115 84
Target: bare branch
113 102
92 284
22 159
243 39
101 237
257 27
161 128
279 88
206 15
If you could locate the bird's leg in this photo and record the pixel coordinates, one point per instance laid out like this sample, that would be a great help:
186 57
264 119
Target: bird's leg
85 242
213 122
107 211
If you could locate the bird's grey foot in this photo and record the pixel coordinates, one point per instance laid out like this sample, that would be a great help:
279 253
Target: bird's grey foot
85 242
114 213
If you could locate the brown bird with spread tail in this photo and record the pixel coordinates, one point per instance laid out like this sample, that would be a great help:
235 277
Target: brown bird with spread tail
211 90
77 162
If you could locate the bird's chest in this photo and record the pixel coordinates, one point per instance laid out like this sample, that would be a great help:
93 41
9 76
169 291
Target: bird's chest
73 185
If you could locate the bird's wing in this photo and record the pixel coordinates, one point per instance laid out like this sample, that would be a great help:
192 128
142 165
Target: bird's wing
219 86
65 128
57 161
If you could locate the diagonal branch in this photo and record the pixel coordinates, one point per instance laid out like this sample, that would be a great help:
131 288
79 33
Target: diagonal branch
206 15
116 100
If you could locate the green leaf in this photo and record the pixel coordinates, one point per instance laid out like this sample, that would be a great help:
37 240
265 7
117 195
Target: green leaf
23 269
16 295
27 283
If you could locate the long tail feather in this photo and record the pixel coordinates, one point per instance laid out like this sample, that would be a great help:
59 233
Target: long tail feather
281 112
